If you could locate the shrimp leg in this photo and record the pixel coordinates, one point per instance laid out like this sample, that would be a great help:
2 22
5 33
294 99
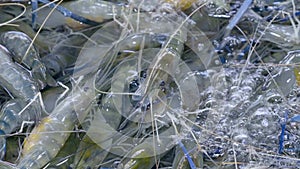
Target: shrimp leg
192 165
183 150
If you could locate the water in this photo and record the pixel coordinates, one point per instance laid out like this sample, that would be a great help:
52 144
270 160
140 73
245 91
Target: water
228 115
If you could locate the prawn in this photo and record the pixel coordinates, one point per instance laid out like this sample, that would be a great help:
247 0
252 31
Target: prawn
106 42
48 137
125 68
142 155
40 41
51 97
293 58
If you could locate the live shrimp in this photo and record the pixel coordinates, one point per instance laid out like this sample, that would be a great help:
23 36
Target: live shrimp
158 103
49 136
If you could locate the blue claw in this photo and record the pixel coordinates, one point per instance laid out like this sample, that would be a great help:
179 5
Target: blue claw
61 9
191 163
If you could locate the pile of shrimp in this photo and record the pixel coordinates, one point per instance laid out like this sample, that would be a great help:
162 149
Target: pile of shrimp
138 84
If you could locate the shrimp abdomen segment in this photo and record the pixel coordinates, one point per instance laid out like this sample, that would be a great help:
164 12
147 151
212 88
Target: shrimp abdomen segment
15 79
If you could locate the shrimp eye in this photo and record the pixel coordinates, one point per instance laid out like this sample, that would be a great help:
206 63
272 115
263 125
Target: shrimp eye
134 85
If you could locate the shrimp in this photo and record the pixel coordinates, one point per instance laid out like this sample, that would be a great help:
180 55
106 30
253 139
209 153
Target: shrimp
285 36
18 44
293 58
95 10
281 35
66 155
126 67
144 154
96 49
40 41
107 42
53 130
86 153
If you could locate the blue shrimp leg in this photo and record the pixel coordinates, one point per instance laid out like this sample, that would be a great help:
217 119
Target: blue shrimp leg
235 20
231 25
281 137
245 50
295 118
191 163
61 9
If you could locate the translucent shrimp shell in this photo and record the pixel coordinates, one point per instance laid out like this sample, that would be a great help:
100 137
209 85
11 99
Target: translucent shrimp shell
15 79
